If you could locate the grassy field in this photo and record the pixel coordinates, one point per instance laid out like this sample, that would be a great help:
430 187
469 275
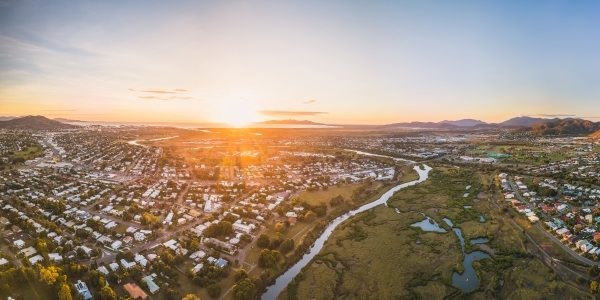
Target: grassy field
30 153
519 154
316 197
379 255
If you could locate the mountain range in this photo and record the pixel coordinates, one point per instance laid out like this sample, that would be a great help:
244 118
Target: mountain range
564 127
472 123
536 126
34 123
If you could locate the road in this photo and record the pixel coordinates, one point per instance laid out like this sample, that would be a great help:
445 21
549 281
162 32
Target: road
148 245
15 260
116 220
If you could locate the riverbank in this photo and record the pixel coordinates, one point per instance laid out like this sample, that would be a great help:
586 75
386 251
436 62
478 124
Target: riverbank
324 229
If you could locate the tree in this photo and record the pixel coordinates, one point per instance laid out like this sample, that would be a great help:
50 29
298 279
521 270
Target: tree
594 287
242 289
268 258
170 294
240 274
287 246
214 290
48 275
190 297
263 241
65 292
107 293
226 227
310 216
280 227
276 241
593 271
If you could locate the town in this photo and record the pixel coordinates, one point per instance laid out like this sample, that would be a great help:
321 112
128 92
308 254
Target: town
151 212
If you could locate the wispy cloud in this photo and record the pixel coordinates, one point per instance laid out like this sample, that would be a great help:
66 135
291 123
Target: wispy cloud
276 113
35 39
156 91
163 94
309 101
59 110
153 97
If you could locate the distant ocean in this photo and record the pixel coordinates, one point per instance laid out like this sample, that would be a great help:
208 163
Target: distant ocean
203 125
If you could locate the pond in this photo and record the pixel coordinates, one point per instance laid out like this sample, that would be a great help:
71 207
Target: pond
468 280
479 241
429 224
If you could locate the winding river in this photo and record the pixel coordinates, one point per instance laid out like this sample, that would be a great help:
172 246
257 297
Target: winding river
282 281
379 155
135 142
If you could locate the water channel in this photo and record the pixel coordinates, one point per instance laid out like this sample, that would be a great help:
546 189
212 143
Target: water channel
135 142
282 281
379 155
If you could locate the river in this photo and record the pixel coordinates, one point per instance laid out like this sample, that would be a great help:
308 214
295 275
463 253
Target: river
282 281
135 142
379 155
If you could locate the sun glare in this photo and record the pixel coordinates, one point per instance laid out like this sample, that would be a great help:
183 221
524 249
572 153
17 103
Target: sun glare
237 113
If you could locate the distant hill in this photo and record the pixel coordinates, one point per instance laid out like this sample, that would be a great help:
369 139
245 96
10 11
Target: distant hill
529 121
34 123
465 122
63 120
6 118
472 124
568 127
288 122
420 125
596 134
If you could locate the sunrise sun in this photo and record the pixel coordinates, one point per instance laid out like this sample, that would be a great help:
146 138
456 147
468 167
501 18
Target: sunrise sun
237 112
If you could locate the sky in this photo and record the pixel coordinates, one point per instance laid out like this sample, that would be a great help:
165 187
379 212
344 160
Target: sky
335 62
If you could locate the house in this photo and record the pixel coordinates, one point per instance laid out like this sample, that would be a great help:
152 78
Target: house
19 243
29 251
83 290
114 266
116 245
58 239
127 265
103 270
197 268
139 237
36 259
54 257
135 291
586 247
3 261
151 285
220 263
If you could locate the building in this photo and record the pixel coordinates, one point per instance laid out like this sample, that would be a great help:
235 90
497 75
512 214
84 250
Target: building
135 291
83 290
153 287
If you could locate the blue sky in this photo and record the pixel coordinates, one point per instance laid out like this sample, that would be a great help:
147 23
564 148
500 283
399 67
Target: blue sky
327 61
